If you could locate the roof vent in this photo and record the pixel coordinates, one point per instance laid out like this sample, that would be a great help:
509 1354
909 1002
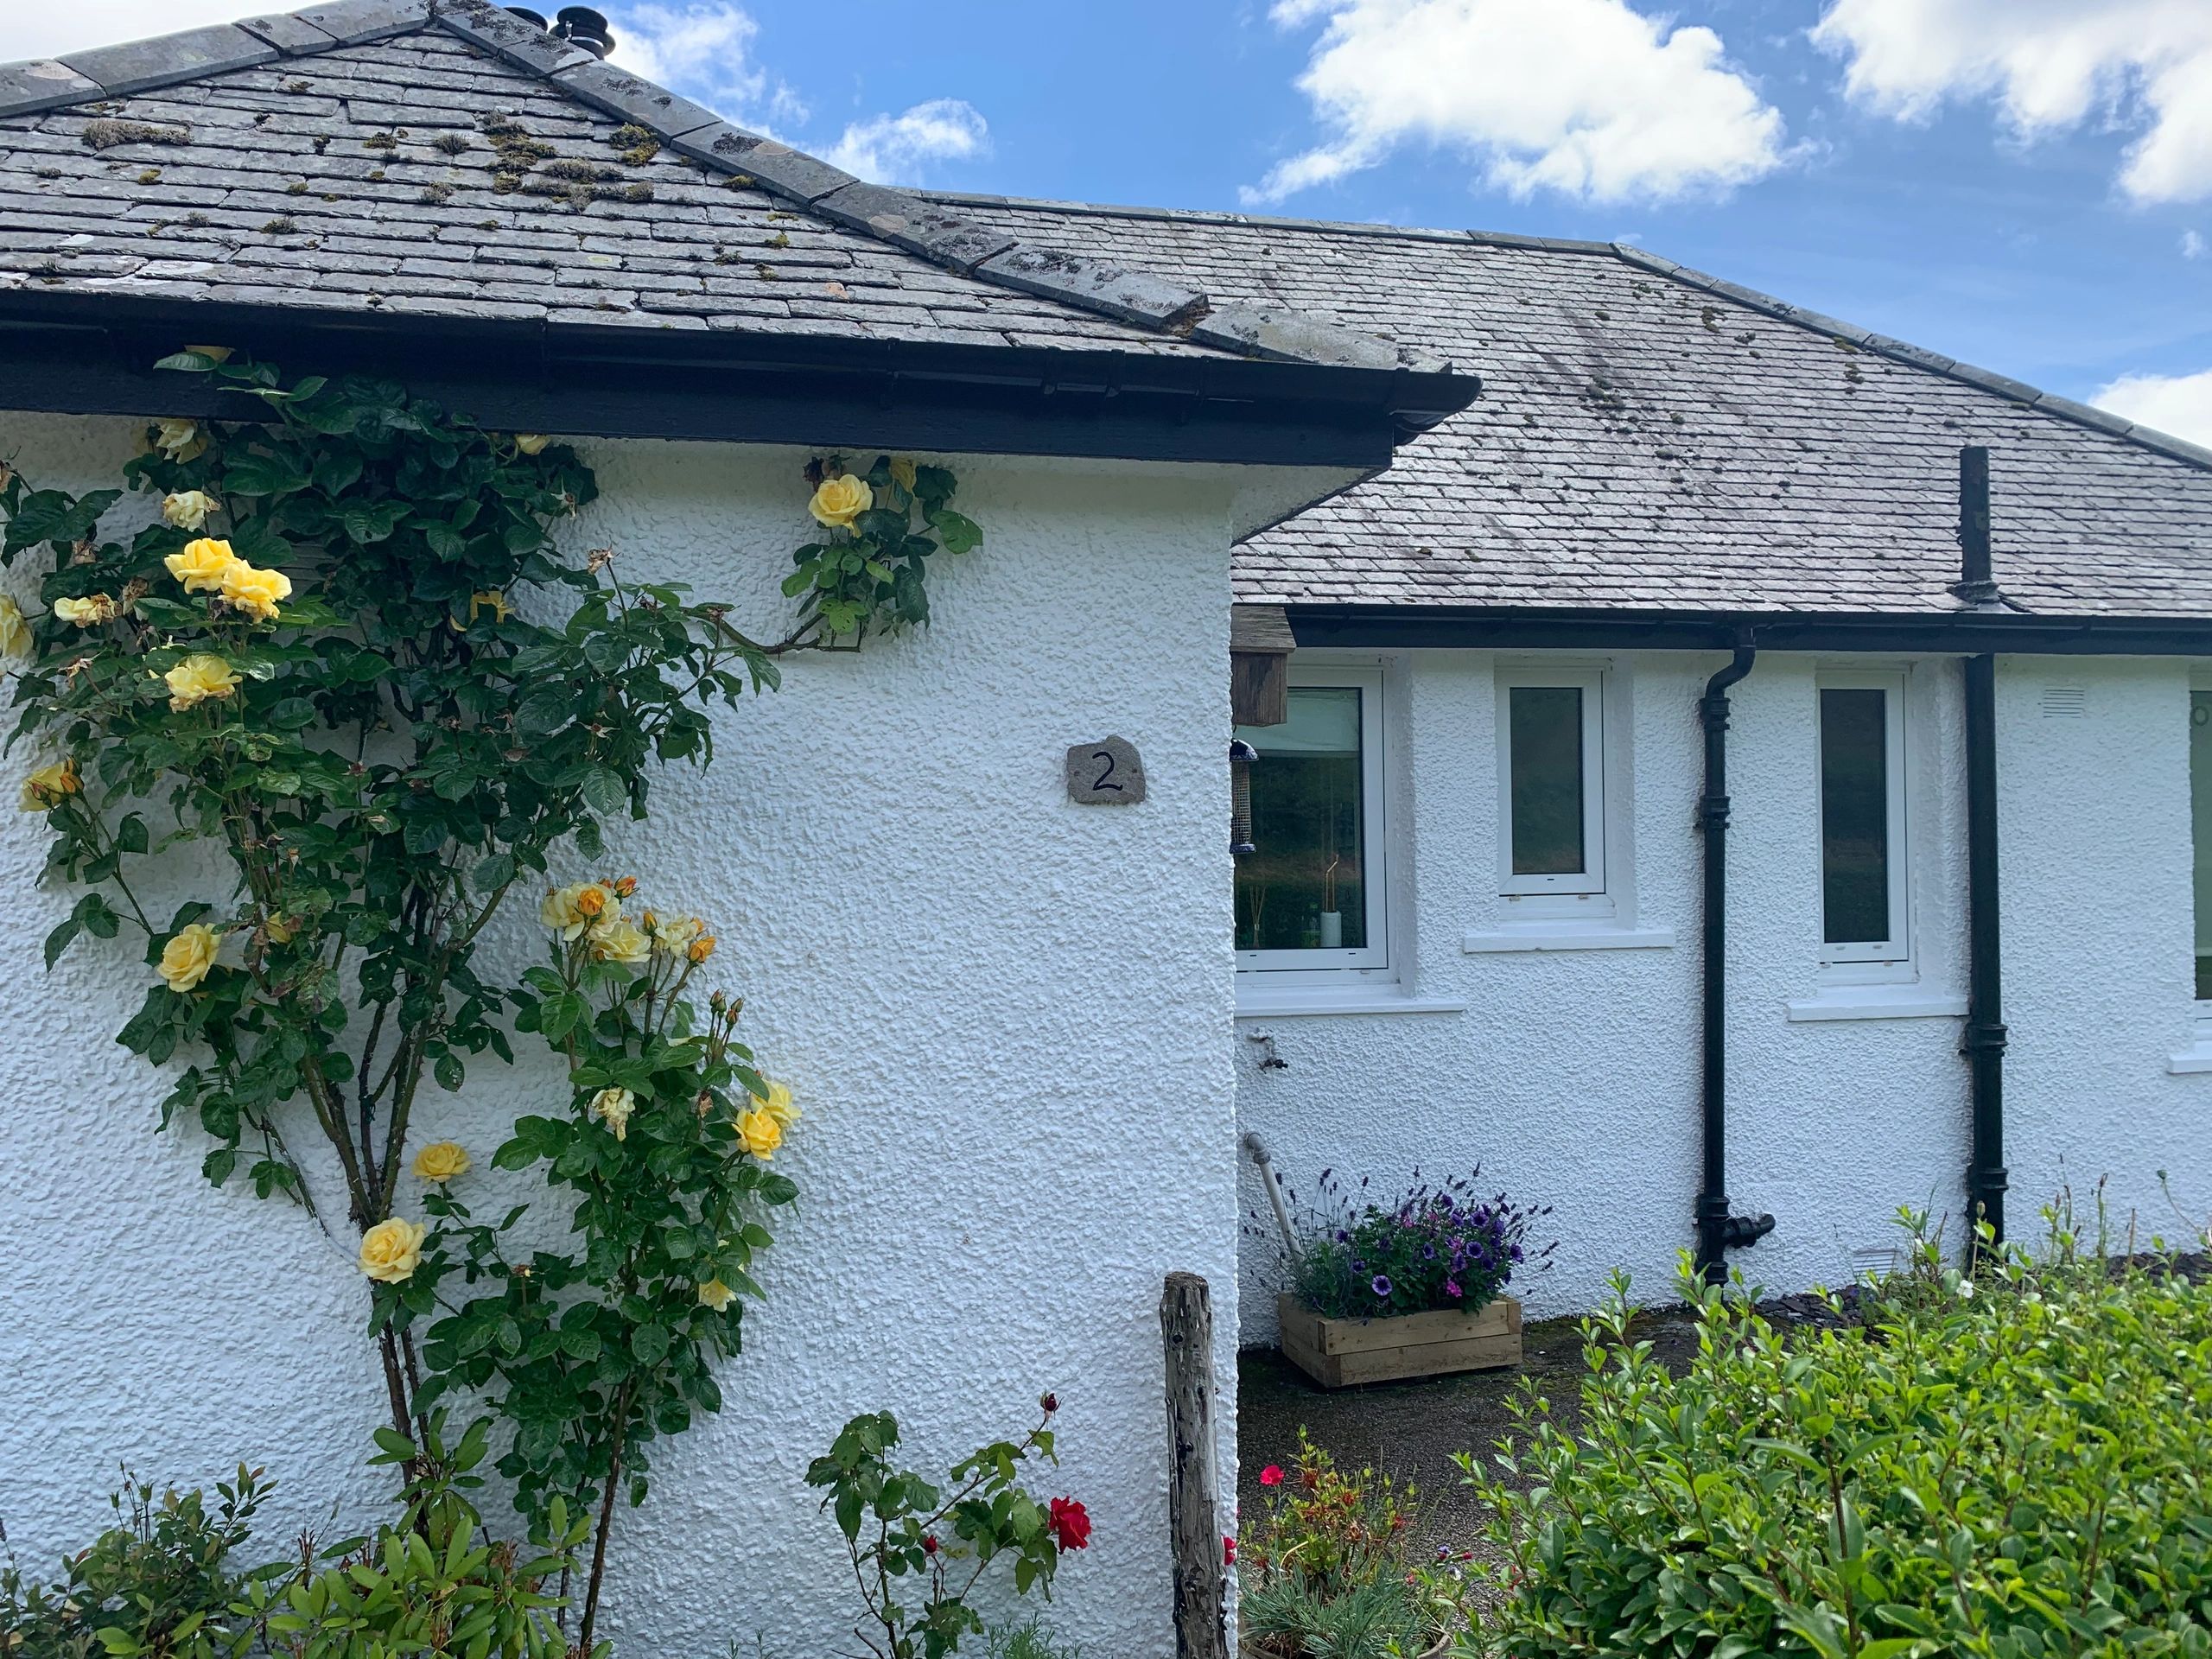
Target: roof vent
582 26
579 26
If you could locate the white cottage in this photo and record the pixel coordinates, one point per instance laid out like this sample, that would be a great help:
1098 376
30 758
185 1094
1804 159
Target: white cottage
1482 917
1003 1012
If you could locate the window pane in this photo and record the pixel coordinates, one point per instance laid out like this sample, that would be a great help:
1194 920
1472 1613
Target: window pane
1304 886
1545 741
1854 816
2200 792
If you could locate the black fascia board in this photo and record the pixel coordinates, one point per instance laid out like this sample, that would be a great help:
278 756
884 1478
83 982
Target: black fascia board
92 354
1507 628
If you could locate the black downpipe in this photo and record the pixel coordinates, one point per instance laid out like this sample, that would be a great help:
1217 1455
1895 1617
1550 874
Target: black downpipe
1717 1230
1984 1041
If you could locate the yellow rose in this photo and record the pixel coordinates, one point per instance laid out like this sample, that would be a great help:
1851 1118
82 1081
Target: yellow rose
840 501
189 510
280 928
188 956
204 564
570 910
199 676
493 602
674 935
701 948
440 1161
760 1134
531 443
87 613
256 592
777 1103
716 1295
902 474
618 939
391 1250
15 633
180 439
613 1107
45 789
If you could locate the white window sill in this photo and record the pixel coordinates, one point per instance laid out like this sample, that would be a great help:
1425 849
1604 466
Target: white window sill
2190 1061
1568 936
1878 1002
1262 1002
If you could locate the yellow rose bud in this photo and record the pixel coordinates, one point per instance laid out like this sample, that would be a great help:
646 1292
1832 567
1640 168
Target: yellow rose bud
840 500
199 676
777 1103
531 443
15 633
616 938
760 1134
187 956
48 786
87 613
716 1295
440 1161
624 886
189 510
391 1250
902 474
204 564
701 948
180 439
256 593
613 1107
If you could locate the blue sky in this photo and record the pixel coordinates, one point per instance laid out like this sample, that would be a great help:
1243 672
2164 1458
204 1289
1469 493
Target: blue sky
2024 184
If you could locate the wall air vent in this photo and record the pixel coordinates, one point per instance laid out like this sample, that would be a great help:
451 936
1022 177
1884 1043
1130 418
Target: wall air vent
2064 703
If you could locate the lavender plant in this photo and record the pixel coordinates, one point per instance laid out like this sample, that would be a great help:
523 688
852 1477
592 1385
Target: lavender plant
1441 1245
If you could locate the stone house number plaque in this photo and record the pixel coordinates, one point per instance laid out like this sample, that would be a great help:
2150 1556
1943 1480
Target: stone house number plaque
1105 774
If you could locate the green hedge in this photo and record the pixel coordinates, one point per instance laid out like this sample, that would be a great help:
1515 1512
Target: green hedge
2009 1469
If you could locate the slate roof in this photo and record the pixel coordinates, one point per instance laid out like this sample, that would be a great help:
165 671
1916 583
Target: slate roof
1649 438
413 159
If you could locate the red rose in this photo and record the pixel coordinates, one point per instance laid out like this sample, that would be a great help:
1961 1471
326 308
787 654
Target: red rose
1272 1475
1070 1524
929 1544
1229 1552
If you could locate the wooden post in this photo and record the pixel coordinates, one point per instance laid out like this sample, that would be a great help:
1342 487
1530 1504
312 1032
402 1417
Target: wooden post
1193 1501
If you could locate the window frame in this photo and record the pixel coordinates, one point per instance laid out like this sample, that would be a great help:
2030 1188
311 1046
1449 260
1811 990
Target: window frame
2200 685
1590 881
1371 960
1892 956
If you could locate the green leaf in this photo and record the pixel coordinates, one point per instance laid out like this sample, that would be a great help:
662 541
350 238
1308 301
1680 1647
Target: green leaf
605 791
372 522
958 533
60 939
256 475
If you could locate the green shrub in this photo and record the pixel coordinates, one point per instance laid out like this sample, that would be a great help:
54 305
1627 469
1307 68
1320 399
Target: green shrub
2012 1468
155 1583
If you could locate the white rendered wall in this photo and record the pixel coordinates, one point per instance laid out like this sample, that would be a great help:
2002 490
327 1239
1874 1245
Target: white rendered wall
1573 1077
1001 1013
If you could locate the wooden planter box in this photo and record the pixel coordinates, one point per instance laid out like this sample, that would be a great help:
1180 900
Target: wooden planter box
1336 1353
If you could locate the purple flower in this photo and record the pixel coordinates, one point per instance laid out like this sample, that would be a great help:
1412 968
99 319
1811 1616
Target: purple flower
1451 1288
1381 1285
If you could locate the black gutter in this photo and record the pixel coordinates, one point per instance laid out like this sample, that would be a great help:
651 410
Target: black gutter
1984 1040
91 354
1533 627
1717 1230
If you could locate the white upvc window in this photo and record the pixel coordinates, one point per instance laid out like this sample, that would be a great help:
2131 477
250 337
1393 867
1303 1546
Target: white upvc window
1311 896
1551 781
2199 793
1865 875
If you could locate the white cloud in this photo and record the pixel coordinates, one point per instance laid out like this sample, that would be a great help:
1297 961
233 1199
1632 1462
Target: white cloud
2178 404
898 149
2193 246
2050 65
1589 97
704 49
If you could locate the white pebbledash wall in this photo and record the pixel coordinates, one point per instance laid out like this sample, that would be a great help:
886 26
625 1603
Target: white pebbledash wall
1573 1076
1001 1013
